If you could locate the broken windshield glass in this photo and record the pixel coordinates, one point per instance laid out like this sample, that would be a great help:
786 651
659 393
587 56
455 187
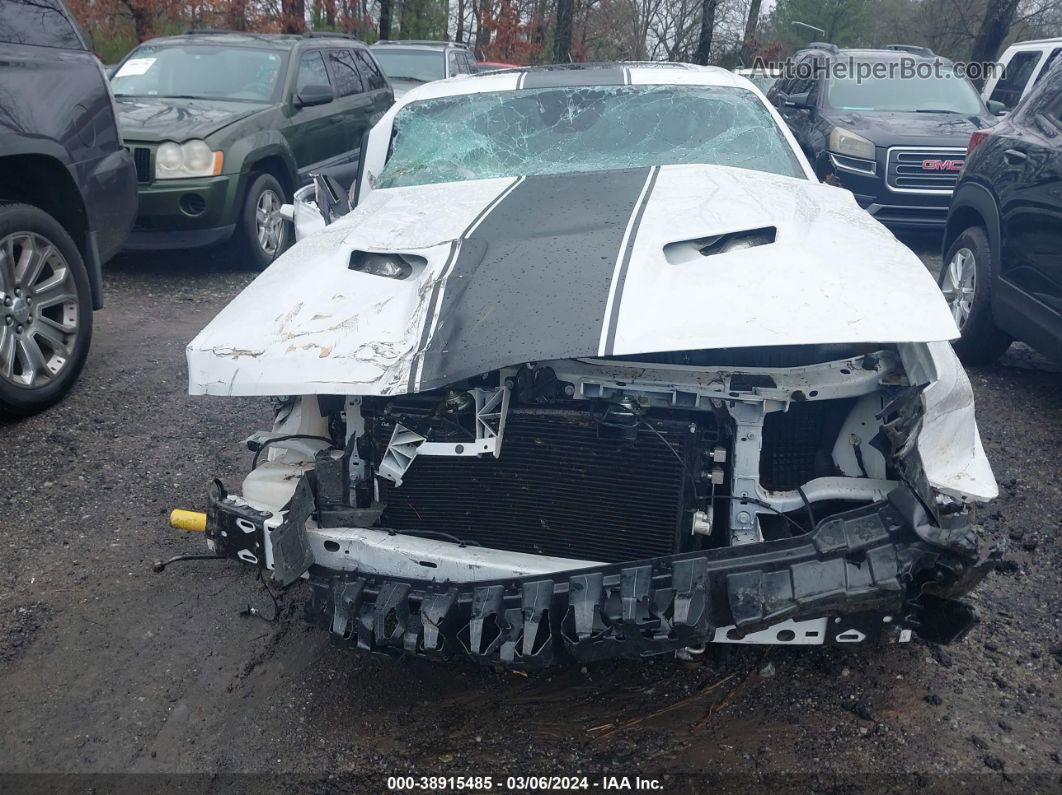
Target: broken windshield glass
565 130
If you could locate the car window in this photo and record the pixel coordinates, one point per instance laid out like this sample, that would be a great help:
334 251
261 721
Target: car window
345 72
370 72
470 64
199 71
1048 102
312 71
38 22
1048 64
455 64
798 85
418 66
568 130
1015 76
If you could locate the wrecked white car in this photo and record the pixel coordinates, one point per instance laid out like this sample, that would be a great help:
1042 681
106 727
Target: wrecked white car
595 367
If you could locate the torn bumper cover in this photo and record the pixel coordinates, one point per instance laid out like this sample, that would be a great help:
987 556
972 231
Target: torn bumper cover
878 572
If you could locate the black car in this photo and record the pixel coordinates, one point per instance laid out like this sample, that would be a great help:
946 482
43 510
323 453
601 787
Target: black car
890 125
226 126
1002 271
67 200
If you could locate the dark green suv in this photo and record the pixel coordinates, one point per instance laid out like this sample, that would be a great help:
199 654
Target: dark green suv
224 127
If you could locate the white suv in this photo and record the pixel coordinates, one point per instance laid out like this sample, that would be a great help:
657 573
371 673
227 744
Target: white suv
1023 65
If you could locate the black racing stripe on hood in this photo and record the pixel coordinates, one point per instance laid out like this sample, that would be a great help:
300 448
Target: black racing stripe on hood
624 264
532 281
561 77
436 291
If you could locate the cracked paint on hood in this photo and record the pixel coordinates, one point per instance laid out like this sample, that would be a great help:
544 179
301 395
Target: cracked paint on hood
310 325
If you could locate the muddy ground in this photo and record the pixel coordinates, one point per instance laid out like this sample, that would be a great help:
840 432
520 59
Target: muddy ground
107 667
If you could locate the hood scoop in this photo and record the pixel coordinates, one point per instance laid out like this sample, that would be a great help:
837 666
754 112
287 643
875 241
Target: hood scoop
391 266
683 251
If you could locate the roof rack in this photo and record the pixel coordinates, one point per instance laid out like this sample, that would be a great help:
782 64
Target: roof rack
326 34
442 42
925 52
822 45
218 32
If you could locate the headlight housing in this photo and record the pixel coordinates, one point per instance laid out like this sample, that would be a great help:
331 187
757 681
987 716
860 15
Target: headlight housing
190 159
845 142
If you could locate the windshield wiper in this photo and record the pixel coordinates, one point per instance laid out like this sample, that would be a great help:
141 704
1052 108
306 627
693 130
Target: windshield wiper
411 79
935 110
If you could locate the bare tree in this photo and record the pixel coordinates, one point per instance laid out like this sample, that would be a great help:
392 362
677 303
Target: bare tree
562 40
749 36
293 16
385 19
995 25
704 39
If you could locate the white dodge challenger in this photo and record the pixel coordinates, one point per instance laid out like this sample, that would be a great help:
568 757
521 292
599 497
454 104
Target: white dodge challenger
591 365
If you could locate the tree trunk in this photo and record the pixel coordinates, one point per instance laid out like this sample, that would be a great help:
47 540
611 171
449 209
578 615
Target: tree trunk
539 23
562 41
482 30
141 19
237 16
460 34
704 40
750 32
995 26
385 19
293 13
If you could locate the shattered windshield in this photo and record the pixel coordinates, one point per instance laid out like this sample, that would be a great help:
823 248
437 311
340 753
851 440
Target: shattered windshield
564 130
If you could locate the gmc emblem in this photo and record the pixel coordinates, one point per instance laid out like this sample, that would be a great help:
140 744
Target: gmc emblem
942 165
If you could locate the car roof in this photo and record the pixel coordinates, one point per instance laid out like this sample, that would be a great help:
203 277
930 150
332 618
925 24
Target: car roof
616 73
1018 45
419 44
893 52
232 38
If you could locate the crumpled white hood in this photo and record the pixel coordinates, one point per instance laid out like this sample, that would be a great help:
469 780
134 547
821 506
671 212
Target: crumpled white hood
310 325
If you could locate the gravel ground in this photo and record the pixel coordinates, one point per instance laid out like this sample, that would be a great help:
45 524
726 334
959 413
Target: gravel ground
106 667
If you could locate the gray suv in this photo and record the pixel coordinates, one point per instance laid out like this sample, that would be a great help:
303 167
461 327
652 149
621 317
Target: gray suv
412 62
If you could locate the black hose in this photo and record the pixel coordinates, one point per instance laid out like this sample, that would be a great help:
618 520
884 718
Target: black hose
275 439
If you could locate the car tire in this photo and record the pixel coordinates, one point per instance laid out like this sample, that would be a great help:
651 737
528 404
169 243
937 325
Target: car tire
966 279
45 310
262 235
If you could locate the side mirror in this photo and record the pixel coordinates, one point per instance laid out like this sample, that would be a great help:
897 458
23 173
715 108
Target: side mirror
797 101
305 215
314 95
996 107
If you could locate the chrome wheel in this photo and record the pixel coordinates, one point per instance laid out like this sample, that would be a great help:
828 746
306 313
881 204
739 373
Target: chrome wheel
269 224
38 310
958 285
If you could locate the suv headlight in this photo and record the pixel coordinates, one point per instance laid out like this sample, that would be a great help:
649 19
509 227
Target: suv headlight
844 142
190 159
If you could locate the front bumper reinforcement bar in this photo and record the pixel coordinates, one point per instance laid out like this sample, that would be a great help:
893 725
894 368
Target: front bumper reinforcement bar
875 572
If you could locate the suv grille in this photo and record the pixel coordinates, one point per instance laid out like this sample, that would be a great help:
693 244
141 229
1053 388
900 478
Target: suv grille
142 161
933 169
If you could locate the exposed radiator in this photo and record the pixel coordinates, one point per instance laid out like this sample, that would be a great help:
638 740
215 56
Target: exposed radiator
797 443
557 489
